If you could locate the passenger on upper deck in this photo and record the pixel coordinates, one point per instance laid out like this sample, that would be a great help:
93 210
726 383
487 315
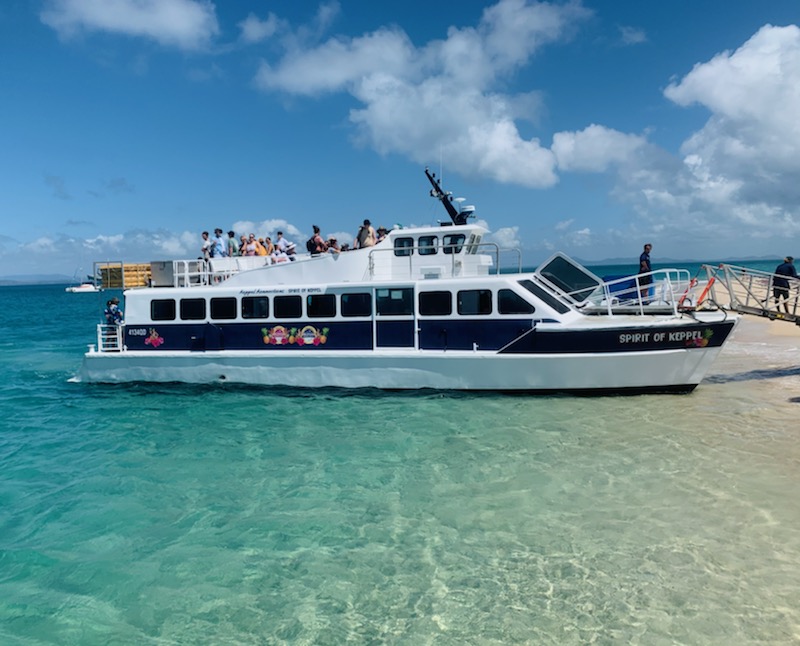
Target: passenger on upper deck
250 246
233 246
291 251
219 246
205 248
281 242
333 246
365 236
381 234
278 255
316 243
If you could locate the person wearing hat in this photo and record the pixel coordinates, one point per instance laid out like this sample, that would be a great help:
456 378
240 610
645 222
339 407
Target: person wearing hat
381 234
780 285
112 312
365 236
291 250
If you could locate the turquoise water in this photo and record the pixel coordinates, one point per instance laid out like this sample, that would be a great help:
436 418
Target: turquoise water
220 515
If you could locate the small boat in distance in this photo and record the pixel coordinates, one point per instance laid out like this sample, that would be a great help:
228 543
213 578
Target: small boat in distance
84 288
436 306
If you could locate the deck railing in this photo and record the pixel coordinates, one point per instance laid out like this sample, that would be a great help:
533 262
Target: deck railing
109 337
662 289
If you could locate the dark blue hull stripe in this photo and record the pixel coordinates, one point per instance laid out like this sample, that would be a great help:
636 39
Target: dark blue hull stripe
511 336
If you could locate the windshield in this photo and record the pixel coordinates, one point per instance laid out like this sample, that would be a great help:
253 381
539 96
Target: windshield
569 277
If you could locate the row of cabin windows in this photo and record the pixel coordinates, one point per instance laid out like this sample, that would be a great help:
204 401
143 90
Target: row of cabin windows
429 245
388 302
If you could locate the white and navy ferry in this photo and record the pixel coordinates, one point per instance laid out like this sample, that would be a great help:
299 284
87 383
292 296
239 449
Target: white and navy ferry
427 307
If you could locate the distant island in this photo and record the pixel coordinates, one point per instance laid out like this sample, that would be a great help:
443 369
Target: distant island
36 279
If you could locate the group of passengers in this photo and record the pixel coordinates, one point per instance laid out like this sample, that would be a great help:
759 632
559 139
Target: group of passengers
281 250
367 236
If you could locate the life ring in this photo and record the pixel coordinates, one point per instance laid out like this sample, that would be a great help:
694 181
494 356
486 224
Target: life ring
704 293
692 283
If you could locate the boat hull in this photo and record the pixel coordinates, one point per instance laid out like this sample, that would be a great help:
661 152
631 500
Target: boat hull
674 370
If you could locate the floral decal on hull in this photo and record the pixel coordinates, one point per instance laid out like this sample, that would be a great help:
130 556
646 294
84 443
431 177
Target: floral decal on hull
153 339
700 341
308 335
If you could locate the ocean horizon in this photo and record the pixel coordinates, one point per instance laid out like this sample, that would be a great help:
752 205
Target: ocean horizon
175 514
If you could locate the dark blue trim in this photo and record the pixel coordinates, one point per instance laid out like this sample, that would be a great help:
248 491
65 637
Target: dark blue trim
508 336
699 335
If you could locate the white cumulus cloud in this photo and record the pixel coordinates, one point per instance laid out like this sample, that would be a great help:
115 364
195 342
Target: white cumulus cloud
594 149
186 24
739 176
440 98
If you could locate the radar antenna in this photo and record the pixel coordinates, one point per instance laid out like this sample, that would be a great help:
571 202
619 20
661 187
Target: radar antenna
446 198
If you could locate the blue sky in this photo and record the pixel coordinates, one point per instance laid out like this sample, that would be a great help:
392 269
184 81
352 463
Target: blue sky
129 126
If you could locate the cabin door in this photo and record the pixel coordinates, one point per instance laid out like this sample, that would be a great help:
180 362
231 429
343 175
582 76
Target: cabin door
395 323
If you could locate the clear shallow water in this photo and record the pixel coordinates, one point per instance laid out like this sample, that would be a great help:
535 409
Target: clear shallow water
173 515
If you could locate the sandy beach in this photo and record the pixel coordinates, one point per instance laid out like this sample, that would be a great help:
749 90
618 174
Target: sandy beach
754 328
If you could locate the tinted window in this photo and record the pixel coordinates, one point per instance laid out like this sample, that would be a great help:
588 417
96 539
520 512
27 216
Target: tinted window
453 242
356 304
402 246
427 245
193 309
569 278
223 308
509 302
546 296
395 302
255 307
288 307
475 301
435 303
162 310
321 306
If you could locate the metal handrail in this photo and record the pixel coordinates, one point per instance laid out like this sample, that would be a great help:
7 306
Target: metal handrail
109 337
455 258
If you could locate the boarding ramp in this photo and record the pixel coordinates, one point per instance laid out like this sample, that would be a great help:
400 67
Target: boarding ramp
743 290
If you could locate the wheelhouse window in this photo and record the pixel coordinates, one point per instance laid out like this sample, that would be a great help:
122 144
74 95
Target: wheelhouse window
452 242
321 306
475 302
509 302
255 307
435 303
288 307
578 283
403 246
547 297
357 304
474 243
223 308
162 310
427 245
395 302
193 309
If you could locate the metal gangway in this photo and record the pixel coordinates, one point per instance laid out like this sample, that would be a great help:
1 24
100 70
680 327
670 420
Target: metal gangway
743 290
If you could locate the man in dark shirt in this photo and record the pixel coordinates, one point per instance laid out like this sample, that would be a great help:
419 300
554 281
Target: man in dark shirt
780 285
645 268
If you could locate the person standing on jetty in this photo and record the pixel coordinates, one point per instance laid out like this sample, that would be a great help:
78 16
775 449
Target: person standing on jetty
780 285
645 268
